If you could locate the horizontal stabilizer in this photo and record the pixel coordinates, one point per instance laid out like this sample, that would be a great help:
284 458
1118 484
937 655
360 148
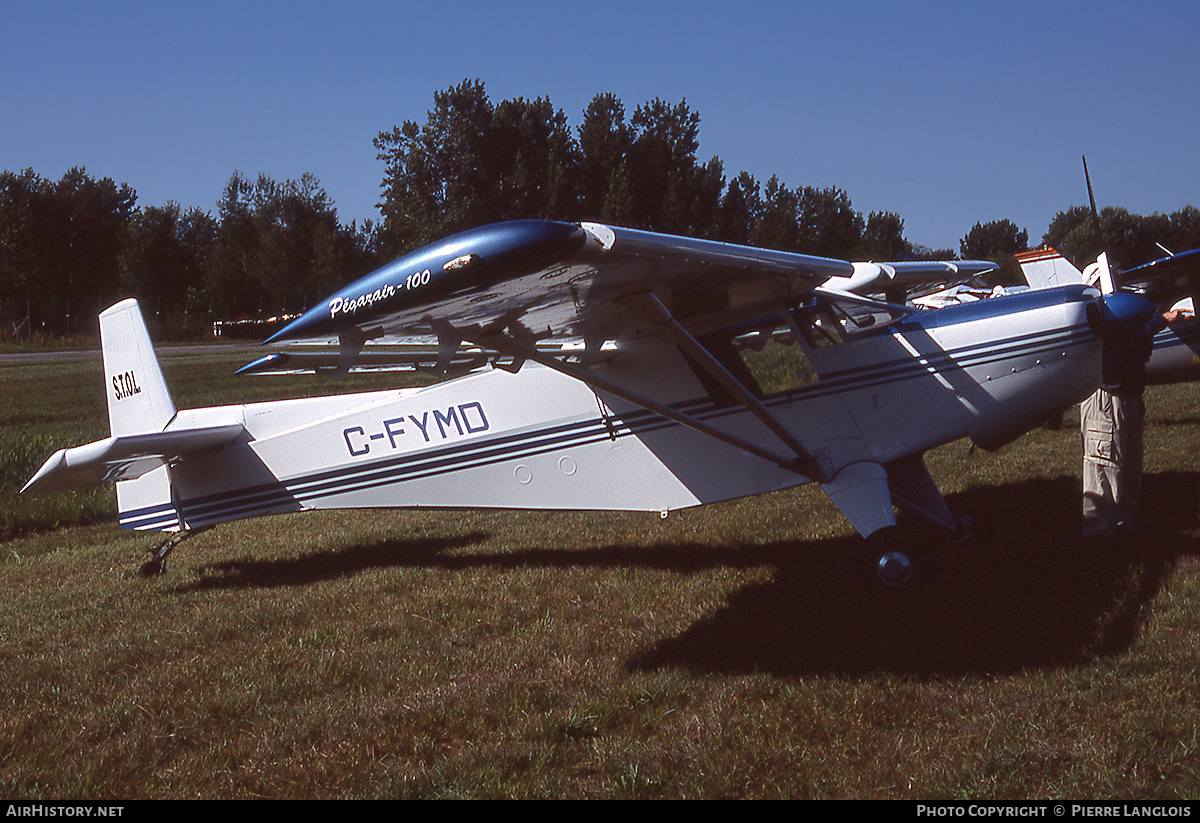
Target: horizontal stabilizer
124 457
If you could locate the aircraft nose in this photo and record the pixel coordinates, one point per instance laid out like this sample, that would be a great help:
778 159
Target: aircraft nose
1120 316
1125 324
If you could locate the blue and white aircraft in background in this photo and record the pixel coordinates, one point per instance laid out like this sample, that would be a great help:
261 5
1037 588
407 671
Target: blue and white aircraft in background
652 410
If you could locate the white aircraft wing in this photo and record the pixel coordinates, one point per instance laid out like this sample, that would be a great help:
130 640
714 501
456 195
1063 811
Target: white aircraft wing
897 279
538 280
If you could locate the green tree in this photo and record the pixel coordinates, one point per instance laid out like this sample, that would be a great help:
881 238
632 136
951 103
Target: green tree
1132 239
474 163
993 239
24 237
604 140
693 200
927 253
1129 239
883 237
77 231
277 248
1184 232
618 200
535 160
778 226
662 167
741 210
998 241
230 265
1071 232
829 225
164 257
436 177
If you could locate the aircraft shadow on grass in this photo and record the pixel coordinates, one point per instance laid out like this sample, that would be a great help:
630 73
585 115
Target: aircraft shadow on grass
1026 591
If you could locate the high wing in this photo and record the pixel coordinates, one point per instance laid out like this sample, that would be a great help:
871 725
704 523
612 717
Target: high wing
565 281
539 280
897 281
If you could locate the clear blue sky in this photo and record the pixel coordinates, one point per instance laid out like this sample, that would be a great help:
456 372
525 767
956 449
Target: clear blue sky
946 113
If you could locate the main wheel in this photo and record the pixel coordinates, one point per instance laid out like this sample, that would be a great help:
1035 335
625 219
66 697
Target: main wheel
894 568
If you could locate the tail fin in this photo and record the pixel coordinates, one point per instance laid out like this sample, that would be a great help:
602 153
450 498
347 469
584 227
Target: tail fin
138 399
1046 268
139 447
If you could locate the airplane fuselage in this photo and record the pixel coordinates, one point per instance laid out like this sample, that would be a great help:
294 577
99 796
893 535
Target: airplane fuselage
540 439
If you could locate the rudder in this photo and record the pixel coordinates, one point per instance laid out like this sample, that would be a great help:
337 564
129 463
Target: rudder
1047 268
138 399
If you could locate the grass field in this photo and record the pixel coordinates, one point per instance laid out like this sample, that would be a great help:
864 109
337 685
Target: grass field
742 650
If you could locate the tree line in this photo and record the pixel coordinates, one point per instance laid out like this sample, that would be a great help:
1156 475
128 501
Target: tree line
70 247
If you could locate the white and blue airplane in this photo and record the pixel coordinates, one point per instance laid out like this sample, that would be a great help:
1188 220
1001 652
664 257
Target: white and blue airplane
654 410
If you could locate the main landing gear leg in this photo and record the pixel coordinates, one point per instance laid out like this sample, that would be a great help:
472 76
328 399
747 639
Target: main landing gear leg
157 564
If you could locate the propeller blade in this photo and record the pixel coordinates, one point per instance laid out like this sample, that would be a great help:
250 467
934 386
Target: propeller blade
1092 200
1099 273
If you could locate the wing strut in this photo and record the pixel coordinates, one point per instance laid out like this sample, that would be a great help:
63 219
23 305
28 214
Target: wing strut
505 344
649 307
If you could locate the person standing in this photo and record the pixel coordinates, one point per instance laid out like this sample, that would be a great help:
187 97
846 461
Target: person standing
1112 421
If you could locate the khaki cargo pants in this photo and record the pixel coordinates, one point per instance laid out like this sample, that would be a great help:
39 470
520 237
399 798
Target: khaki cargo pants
1111 426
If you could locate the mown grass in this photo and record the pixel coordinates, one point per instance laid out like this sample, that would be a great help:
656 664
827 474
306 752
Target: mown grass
740 650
